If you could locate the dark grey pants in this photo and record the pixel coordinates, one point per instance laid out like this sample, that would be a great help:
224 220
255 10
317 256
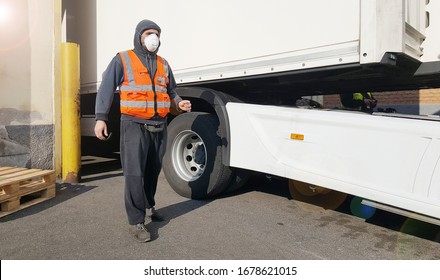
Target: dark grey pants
141 157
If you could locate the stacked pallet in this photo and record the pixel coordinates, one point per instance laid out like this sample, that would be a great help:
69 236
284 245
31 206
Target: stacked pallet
23 187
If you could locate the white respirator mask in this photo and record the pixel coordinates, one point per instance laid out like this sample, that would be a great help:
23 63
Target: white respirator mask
151 42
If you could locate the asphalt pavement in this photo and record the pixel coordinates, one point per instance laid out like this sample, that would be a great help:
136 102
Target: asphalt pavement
87 221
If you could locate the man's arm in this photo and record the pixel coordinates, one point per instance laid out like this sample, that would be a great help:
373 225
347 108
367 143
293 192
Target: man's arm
176 101
171 89
111 79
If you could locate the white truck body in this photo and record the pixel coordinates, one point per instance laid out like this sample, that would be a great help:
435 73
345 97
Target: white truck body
389 160
261 54
217 40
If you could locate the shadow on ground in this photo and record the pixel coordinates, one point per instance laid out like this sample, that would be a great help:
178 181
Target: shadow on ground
100 166
64 192
349 205
93 167
173 211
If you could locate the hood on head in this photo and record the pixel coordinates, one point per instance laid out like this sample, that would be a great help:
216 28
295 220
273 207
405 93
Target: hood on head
140 28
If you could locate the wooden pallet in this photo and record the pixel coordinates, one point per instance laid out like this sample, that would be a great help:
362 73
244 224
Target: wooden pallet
23 187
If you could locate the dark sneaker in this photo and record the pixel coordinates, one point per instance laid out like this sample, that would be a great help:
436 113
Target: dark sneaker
140 232
152 215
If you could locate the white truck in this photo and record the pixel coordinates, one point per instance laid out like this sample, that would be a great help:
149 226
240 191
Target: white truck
245 63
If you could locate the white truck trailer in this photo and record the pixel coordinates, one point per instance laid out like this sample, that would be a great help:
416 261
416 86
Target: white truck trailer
244 63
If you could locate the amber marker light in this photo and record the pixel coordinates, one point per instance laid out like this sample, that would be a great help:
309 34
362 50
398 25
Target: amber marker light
296 136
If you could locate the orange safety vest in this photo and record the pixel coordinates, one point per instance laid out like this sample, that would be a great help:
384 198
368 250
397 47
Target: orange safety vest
140 97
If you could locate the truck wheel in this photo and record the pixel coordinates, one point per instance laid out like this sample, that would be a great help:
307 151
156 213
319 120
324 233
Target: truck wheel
323 197
193 160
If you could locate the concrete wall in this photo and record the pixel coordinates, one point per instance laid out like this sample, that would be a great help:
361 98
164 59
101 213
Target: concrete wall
29 82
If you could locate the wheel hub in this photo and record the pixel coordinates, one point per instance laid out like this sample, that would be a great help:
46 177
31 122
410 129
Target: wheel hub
189 155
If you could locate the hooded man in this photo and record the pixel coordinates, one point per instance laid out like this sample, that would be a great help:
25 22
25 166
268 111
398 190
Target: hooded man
147 91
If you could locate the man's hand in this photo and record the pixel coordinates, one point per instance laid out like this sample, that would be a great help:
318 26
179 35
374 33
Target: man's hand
184 105
101 130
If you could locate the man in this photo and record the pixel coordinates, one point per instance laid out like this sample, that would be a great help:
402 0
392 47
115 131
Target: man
362 101
147 91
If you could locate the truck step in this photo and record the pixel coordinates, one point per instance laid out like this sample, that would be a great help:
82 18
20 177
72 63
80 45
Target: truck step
401 212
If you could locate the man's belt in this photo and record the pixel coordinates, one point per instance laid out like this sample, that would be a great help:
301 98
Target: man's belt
154 127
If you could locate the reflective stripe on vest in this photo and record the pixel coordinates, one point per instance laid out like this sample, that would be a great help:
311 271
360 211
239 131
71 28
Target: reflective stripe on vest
140 97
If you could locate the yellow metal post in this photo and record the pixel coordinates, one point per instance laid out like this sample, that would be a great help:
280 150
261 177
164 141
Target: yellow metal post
70 113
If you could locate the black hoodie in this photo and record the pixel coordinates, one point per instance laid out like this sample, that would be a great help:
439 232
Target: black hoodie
113 77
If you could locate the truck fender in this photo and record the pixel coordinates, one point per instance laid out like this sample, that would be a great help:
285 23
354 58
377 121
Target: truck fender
213 102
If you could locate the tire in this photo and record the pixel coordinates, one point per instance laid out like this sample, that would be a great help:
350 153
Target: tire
193 160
